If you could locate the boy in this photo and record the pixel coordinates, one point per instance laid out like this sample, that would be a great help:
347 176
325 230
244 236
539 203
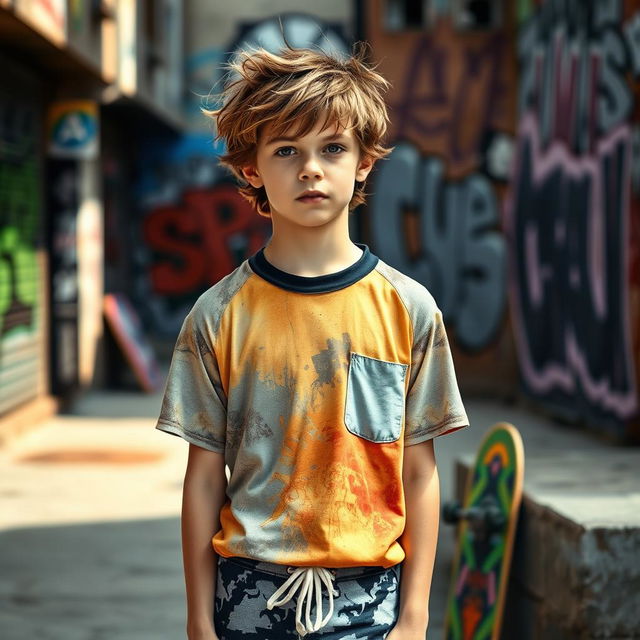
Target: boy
318 374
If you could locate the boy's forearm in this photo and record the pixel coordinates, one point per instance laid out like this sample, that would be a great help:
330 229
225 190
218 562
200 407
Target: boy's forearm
201 504
419 541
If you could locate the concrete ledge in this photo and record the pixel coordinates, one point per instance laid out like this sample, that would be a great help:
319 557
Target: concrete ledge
576 564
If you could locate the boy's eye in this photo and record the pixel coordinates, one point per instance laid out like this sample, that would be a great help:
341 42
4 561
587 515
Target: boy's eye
284 152
283 155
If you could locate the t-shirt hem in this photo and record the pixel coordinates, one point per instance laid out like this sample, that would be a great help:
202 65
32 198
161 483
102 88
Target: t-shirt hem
325 565
442 430
189 436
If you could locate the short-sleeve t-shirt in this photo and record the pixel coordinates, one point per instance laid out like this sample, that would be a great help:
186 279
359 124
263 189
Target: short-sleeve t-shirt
311 387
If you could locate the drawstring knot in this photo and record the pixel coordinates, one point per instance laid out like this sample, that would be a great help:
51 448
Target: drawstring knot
307 579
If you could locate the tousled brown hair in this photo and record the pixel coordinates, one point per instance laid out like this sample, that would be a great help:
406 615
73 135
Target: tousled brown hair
294 89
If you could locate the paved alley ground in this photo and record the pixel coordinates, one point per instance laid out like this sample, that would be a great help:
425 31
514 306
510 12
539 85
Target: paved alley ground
90 529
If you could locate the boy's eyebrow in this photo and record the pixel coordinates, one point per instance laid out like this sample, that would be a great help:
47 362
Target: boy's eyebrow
334 136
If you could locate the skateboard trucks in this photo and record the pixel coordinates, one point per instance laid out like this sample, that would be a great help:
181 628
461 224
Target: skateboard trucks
484 519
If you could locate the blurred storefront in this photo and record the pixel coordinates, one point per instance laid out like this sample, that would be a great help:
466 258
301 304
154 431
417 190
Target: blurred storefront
84 84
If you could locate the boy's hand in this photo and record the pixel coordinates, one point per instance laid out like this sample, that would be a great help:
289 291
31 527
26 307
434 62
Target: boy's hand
407 631
201 633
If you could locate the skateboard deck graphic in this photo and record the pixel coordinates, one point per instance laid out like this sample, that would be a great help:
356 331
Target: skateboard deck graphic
486 530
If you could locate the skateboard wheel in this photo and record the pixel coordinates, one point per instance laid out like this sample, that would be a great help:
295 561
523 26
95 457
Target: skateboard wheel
451 512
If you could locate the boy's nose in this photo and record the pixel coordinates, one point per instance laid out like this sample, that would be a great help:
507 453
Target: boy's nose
310 170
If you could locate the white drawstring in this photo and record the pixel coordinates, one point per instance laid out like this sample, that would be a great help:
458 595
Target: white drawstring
309 577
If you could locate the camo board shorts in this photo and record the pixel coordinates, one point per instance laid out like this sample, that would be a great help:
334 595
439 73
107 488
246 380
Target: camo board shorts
365 604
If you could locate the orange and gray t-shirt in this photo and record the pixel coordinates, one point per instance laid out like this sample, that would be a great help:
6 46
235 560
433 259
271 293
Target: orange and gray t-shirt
311 387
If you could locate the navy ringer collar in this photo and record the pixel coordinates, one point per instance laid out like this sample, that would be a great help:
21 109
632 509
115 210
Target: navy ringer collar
314 284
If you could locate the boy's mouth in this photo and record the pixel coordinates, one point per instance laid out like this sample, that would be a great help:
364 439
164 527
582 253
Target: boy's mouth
312 196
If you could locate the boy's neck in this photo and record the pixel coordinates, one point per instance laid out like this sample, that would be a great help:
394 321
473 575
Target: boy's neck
312 258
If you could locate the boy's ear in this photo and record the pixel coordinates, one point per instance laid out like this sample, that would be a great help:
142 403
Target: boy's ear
251 175
364 167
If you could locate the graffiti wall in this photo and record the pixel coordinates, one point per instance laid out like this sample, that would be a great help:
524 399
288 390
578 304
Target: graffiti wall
194 226
21 272
435 209
573 214
513 194
193 230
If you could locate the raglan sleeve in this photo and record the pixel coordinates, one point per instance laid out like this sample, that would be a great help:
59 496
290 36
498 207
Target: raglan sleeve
433 405
194 405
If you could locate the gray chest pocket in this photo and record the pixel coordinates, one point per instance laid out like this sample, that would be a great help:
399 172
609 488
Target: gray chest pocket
374 406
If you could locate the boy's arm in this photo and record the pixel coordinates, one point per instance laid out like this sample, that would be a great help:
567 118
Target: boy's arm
419 539
202 498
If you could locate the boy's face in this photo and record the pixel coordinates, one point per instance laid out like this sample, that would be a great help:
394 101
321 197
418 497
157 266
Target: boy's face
327 161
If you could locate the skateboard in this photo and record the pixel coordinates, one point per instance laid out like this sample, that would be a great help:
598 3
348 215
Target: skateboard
486 530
